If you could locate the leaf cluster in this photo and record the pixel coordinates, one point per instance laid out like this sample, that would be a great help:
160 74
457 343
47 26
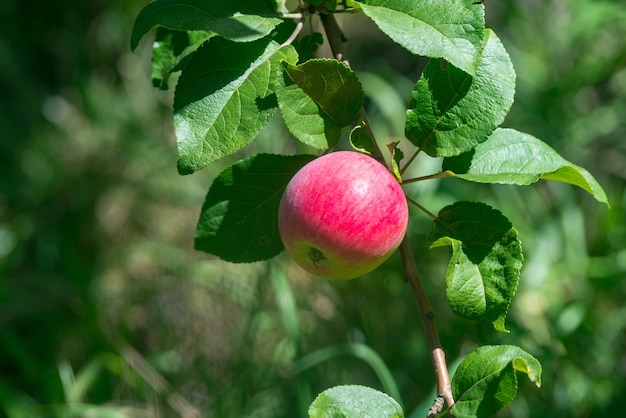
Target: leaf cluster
239 62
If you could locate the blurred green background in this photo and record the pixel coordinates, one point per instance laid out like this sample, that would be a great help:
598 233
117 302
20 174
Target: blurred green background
107 311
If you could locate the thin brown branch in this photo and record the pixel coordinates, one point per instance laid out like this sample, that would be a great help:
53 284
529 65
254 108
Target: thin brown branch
421 207
444 387
409 161
334 35
336 38
441 174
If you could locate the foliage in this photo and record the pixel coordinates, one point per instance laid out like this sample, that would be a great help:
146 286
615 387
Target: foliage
237 221
361 401
484 270
94 232
233 83
486 389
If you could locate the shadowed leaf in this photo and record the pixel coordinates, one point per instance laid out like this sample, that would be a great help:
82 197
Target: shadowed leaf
239 219
484 270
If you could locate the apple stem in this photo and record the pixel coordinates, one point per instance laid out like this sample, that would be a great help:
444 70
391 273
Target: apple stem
444 387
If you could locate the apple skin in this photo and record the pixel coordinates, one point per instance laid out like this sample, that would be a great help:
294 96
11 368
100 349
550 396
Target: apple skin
342 215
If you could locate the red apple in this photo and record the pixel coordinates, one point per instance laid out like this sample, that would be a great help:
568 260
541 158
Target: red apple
342 215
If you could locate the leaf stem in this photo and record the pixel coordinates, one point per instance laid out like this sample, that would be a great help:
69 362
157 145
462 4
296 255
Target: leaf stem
296 31
441 174
408 163
292 15
422 208
444 386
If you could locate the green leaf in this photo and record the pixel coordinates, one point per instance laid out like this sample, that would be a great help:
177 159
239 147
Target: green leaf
396 156
486 380
333 87
448 29
170 52
224 97
318 98
484 270
352 401
450 112
512 157
239 219
237 21
303 117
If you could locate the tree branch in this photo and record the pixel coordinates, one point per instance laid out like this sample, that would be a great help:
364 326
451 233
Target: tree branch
336 38
444 387
334 35
441 174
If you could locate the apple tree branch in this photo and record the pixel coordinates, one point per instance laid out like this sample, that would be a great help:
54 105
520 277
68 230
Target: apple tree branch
336 38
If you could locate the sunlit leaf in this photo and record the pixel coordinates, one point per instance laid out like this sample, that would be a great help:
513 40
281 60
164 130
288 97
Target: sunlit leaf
448 29
237 21
486 380
513 157
224 96
451 112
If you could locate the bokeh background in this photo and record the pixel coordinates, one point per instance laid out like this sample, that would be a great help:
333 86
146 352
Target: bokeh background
107 311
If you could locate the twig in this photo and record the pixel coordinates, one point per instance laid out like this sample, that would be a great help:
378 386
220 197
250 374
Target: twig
336 38
295 32
422 208
441 174
410 160
444 387
334 35
292 15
